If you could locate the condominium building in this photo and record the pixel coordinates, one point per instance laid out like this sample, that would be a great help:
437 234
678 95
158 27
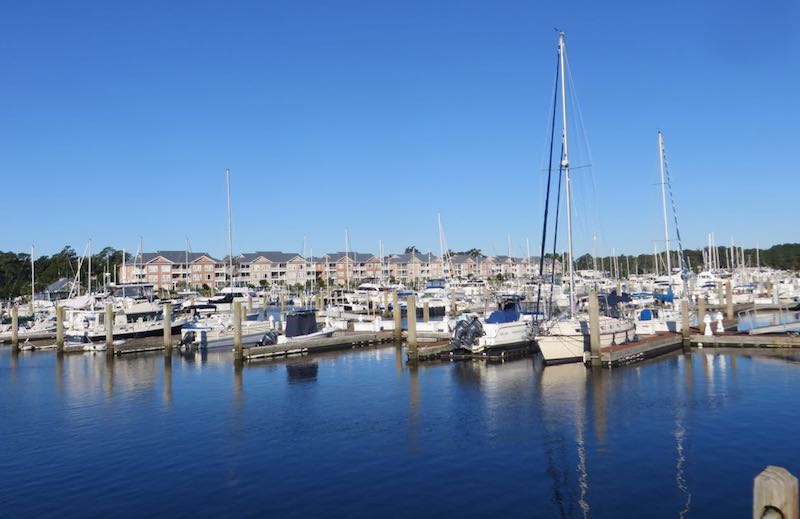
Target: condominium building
172 270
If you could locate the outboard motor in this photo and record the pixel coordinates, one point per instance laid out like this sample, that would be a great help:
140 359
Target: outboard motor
268 339
473 331
458 332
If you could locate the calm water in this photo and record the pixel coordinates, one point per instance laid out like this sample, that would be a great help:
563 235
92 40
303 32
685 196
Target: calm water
360 434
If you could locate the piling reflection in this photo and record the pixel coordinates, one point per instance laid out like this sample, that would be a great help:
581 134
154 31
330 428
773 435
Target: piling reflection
167 392
414 404
108 379
59 373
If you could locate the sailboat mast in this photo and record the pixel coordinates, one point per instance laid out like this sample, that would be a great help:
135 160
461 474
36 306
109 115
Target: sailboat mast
230 228
89 272
664 204
346 258
33 277
565 166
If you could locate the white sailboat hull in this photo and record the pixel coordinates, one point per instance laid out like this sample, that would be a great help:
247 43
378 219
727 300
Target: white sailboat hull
568 340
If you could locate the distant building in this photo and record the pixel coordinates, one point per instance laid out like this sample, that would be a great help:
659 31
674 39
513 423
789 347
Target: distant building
169 270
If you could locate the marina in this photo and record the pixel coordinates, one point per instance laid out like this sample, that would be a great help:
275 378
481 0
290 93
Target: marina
399 259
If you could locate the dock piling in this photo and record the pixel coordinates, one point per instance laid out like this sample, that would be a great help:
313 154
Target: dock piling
426 312
396 310
14 328
701 314
685 324
60 328
249 303
237 330
411 306
109 318
167 314
594 329
775 494
386 305
728 300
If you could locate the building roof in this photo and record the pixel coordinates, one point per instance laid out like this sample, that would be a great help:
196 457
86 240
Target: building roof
175 256
270 255
358 257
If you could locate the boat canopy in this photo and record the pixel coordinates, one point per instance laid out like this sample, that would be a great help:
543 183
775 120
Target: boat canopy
508 314
300 323
665 297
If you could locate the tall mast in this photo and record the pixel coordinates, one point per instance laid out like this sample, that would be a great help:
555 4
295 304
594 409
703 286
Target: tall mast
664 205
346 259
89 276
186 265
565 166
33 277
230 228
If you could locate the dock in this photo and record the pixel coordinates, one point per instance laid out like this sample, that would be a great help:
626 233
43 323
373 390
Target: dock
745 340
646 347
343 341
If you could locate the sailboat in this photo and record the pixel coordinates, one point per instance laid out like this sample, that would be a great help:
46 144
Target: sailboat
566 339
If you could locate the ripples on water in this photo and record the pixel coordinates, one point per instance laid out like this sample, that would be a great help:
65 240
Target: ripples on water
360 434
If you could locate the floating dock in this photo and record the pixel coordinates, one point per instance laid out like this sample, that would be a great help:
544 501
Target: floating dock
646 347
340 341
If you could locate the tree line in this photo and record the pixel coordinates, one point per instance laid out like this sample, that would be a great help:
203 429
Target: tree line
15 269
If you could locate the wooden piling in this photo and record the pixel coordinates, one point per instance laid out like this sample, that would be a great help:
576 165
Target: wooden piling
720 294
396 310
775 494
411 316
426 312
237 330
59 328
249 303
619 286
594 328
14 328
453 304
701 313
728 299
167 317
386 304
685 335
109 318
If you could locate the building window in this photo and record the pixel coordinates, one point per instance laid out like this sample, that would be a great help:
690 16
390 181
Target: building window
208 268
152 268
164 268
196 268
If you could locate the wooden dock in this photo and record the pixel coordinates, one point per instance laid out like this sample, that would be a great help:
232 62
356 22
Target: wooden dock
646 347
341 341
745 340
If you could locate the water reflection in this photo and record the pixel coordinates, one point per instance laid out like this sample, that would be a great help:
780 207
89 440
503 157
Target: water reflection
302 372
561 399
167 394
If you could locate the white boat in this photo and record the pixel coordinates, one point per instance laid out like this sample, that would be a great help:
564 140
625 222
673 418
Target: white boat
82 326
503 327
217 332
302 325
566 339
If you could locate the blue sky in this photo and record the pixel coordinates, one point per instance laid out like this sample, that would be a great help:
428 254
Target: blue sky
118 119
